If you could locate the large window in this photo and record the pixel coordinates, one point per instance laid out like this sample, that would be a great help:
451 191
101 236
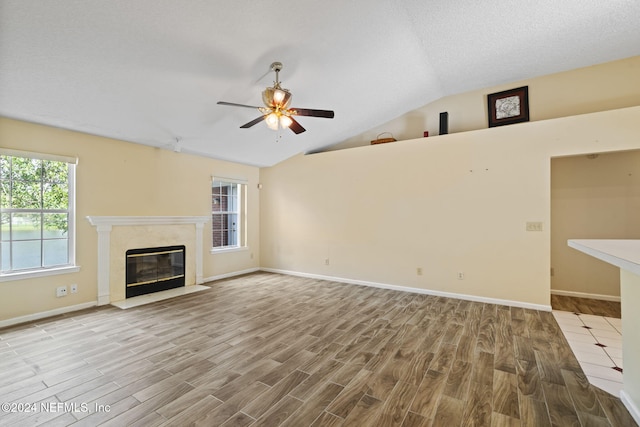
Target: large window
36 212
228 219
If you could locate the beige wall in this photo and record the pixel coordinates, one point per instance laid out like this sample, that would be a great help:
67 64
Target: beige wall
607 86
119 178
592 198
456 203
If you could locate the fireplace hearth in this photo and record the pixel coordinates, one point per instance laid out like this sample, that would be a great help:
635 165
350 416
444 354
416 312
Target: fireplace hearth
151 270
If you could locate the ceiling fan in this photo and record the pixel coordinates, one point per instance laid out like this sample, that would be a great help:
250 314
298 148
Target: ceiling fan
276 112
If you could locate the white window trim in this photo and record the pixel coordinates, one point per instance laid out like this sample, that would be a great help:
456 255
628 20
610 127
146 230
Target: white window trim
8 277
231 180
41 156
227 249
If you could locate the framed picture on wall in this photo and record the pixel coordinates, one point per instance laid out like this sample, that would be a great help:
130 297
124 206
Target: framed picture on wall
508 107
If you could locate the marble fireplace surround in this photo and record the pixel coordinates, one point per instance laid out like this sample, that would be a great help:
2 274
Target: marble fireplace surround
117 234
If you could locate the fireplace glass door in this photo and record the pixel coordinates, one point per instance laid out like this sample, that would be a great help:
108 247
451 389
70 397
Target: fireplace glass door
154 269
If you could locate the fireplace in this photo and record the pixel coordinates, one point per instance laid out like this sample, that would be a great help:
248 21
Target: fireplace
151 270
117 234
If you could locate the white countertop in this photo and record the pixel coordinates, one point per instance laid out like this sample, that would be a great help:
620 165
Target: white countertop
623 253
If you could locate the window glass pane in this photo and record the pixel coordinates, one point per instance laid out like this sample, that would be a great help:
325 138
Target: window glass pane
4 248
217 238
5 230
232 205
25 226
55 171
56 196
5 192
26 195
25 169
224 203
5 167
54 225
232 229
55 252
26 254
217 203
218 197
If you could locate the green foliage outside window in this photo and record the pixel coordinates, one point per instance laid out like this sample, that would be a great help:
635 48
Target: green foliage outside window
35 184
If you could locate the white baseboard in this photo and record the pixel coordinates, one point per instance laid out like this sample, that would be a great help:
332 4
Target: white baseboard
232 274
631 406
42 315
585 295
413 290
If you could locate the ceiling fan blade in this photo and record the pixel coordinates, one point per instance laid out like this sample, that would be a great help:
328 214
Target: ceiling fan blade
295 126
233 104
313 113
253 122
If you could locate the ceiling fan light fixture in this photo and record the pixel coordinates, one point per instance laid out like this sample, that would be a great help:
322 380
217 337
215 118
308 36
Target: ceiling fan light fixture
272 121
285 121
277 120
278 96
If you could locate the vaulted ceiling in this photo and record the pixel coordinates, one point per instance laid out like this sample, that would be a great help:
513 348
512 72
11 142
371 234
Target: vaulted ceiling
152 71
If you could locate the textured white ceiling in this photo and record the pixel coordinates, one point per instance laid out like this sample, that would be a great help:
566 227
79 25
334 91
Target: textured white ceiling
151 71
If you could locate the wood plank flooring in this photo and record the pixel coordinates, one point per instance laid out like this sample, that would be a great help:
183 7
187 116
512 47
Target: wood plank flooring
274 350
586 306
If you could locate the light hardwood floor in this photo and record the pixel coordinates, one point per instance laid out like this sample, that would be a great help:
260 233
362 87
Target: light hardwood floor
274 350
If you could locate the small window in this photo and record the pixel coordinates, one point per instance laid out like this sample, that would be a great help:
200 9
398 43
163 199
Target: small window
228 218
36 212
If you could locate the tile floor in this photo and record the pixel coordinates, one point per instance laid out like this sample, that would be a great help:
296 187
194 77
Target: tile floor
596 342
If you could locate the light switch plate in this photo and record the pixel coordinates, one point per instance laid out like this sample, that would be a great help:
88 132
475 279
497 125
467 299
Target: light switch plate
534 226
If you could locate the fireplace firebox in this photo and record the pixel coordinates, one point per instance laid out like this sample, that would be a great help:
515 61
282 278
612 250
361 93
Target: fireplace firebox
154 269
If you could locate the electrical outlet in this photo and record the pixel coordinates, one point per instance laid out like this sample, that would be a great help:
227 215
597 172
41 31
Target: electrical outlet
460 275
326 261
419 271
74 288
61 291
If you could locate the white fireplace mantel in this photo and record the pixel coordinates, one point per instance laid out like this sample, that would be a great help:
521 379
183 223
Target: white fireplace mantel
146 220
104 226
